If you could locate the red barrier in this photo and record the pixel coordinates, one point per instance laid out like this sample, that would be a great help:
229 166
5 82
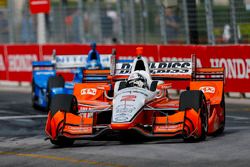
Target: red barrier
236 63
15 60
71 49
19 59
233 58
3 67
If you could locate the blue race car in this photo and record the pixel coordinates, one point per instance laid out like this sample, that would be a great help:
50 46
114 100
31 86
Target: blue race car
45 83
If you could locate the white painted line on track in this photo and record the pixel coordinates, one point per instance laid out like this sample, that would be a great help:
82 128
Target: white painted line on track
22 117
237 117
238 128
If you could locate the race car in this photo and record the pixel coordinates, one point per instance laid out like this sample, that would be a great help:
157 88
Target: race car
46 83
134 100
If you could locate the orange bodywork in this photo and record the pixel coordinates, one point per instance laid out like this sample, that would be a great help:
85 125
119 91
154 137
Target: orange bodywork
149 121
213 91
169 124
67 124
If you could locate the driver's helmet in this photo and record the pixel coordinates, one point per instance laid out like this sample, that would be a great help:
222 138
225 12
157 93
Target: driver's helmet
93 64
137 80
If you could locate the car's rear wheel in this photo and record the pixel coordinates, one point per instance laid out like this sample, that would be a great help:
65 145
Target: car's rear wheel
196 100
34 98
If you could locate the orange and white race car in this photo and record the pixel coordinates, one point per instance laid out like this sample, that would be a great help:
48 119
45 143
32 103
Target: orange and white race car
134 100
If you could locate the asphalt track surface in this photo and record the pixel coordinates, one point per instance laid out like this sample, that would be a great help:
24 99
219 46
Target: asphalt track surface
22 142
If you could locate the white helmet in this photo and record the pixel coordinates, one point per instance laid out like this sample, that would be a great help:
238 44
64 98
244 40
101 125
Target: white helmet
137 80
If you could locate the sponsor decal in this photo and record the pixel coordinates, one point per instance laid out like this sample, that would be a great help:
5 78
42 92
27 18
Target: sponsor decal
207 89
160 68
2 65
125 110
71 59
121 118
79 60
128 98
123 113
89 91
21 62
125 68
79 129
170 67
169 59
44 72
234 68
83 108
166 127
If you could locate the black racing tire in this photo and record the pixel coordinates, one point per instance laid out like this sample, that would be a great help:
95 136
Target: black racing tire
53 82
63 142
65 103
195 99
34 98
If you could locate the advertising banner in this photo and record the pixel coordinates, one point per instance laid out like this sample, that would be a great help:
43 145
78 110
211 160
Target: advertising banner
15 60
19 60
236 61
3 67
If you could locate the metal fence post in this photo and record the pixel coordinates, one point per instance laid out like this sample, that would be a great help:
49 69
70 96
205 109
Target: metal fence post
186 23
162 22
62 19
121 20
145 17
142 21
41 28
192 21
11 25
233 21
132 20
209 21
81 23
97 8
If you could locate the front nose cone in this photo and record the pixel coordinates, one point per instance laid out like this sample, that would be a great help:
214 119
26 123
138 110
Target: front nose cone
121 126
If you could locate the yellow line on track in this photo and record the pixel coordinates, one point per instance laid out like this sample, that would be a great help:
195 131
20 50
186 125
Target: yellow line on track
65 159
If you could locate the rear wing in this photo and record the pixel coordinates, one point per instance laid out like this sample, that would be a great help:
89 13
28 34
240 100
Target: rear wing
158 70
96 75
71 61
170 70
209 74
42 64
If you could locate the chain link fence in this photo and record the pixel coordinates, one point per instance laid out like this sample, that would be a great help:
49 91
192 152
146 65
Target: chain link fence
131 21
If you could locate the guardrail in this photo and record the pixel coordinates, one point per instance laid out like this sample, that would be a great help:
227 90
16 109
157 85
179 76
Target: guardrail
15 60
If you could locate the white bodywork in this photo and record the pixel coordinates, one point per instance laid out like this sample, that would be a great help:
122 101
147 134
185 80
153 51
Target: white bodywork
128 102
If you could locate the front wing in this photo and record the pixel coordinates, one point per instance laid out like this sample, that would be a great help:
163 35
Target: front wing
148 123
